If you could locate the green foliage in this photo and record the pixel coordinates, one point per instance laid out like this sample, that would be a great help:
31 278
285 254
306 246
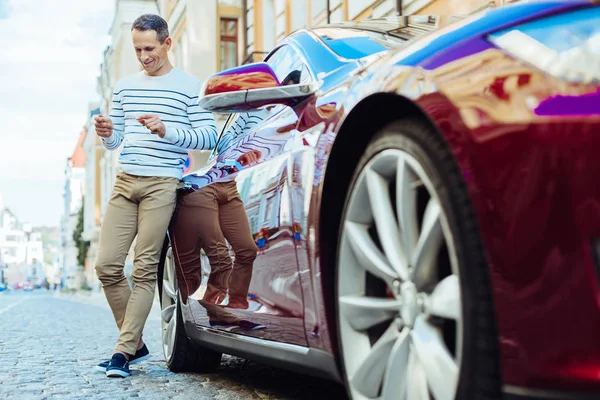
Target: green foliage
82 245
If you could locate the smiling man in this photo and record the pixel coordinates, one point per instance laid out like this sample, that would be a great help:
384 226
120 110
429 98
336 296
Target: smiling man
155 116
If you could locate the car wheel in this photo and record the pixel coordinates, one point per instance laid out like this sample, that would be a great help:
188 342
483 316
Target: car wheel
181 353
414 306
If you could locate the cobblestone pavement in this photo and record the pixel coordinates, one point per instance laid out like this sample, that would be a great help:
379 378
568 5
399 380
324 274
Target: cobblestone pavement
49 345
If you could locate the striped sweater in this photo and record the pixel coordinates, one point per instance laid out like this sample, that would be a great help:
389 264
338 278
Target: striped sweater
173 97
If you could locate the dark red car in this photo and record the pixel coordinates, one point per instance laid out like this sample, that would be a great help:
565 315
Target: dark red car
413 213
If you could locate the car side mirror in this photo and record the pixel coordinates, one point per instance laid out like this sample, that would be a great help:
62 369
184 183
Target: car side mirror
249 87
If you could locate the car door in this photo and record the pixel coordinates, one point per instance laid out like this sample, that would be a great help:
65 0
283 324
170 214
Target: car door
257 164
312 143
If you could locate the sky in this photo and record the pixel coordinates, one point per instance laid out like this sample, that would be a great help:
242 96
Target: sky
50 56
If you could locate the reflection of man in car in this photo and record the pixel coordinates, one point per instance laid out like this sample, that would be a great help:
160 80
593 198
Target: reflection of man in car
209 219
214 216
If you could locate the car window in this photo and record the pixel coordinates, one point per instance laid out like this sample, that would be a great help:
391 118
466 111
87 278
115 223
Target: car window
241 124
288 66
354 44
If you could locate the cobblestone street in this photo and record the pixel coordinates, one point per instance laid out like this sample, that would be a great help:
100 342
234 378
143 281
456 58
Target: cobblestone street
50 343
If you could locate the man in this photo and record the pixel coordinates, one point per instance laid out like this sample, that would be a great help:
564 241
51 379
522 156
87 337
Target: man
156 117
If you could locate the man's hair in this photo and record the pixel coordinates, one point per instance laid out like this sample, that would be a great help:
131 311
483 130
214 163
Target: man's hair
152 22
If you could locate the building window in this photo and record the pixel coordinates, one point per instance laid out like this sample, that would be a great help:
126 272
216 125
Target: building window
249 28
280 22
269 30
337 16
356 7
318 7
386 8
169 7
229 43
234 3
179 47
179 52
298 15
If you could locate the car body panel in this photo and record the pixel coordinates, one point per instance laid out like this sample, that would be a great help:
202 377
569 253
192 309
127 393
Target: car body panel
526 143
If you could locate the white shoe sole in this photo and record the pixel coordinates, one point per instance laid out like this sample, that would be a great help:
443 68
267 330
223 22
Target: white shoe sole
137 360
115 373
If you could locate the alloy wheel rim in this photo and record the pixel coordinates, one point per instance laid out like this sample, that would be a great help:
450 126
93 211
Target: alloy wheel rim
169 305
399 289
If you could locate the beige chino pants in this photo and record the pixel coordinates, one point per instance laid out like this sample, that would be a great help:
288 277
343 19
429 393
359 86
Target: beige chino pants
141 205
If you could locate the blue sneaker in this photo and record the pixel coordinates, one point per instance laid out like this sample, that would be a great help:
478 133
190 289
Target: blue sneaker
140 355
118 367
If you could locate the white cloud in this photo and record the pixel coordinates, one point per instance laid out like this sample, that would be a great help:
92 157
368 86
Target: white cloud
50 59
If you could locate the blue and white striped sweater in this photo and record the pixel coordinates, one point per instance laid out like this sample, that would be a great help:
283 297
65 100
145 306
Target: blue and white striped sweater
173 97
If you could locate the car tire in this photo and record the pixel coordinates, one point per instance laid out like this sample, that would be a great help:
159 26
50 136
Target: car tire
182 354
427 327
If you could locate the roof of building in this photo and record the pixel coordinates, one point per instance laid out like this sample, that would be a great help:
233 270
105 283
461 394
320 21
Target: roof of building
78 157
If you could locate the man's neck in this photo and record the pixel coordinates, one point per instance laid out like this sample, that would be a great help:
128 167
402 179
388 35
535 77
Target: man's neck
165 69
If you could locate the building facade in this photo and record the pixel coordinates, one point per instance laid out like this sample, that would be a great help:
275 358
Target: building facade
21 250
69 271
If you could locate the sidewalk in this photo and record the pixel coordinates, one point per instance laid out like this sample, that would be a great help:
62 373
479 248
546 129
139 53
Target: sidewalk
95 298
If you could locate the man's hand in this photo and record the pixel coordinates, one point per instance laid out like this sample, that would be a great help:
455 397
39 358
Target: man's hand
104 126
153 123
249 158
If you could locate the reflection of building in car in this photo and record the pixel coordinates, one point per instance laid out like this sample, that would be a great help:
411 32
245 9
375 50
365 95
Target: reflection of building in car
263 206
261 240
297 232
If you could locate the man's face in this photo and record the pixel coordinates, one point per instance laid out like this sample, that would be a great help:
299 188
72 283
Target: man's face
151 53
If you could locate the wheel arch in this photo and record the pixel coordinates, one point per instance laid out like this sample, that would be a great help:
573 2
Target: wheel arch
352 138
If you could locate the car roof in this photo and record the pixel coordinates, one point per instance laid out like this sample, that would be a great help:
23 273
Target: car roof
357 39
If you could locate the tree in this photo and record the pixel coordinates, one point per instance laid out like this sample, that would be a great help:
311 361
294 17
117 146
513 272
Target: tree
82 245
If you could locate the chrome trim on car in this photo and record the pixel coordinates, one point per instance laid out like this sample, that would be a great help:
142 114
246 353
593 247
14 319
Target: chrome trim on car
222 100
287 92
293 357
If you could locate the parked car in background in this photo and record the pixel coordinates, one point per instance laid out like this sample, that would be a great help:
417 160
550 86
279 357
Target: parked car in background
425 207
